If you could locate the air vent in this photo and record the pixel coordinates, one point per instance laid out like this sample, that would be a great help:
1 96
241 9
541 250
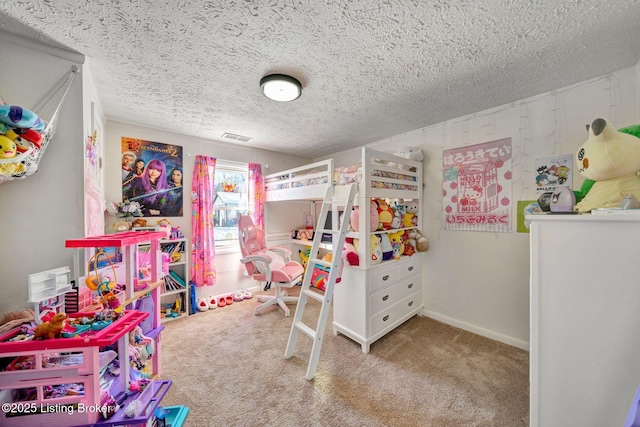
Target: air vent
234 137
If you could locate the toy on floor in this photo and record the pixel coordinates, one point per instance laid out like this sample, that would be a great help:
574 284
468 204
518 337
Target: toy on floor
609 160
51 329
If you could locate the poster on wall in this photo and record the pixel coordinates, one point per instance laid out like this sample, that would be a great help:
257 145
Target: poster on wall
476 190
152 175
554 172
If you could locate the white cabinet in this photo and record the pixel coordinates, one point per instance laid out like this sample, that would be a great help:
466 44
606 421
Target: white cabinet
369 303
585 314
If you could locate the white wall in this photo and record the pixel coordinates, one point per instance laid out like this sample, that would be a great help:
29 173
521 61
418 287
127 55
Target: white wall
479 281
40 212
230 272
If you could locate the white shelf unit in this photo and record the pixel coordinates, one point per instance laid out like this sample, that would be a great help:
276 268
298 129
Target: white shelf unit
47 290
178 250
373 299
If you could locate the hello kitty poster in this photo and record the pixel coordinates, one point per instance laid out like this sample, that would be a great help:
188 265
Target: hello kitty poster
476 187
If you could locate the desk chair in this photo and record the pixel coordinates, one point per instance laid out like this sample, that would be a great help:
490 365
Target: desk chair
271 265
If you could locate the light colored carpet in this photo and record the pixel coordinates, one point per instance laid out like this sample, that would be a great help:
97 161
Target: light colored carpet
227 365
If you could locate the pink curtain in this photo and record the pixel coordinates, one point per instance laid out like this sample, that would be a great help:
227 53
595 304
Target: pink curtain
256 195
203 256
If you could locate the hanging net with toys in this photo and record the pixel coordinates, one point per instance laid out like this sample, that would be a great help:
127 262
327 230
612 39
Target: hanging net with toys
25 134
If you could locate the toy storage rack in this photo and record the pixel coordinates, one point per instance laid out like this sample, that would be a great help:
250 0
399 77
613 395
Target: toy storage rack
86 372
128 242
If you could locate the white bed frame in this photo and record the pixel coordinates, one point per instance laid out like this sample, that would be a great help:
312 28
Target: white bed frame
372 161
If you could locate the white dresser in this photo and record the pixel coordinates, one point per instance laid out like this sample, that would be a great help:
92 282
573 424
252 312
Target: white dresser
369 303
585 319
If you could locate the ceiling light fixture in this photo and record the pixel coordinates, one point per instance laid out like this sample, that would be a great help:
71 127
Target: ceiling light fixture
280 87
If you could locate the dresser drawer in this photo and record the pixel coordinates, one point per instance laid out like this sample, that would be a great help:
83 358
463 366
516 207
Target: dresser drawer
392 314
409 268
383 277
387 297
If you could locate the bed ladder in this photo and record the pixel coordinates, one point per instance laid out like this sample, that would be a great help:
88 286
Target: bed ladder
338 198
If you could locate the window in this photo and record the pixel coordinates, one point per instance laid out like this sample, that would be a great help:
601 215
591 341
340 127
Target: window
231 200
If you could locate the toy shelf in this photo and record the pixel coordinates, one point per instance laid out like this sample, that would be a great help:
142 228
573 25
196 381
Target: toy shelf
78 362
104 337
128 273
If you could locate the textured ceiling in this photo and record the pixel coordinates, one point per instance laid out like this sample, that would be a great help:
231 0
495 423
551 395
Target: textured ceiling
370 69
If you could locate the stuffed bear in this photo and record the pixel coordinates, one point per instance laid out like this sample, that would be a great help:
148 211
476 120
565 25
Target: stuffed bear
410 218
611 159
411 153
122 225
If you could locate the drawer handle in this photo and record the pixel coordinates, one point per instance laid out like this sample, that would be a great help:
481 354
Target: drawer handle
410 268
410 303
386 277
385 318
410 285
386 297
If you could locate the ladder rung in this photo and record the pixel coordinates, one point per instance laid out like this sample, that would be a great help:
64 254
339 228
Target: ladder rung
314 295
307 330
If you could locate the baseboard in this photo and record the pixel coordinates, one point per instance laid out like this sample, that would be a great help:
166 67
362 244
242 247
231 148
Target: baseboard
476 330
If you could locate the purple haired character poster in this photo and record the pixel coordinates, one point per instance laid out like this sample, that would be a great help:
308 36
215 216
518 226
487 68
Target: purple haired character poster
152 175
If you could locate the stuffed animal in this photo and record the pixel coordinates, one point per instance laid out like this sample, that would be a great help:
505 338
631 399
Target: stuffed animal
375 248
350 254
165 226
411 209
122 225
8 148
611 159
304 257
385 246
397 243
411 153
52 328
139 222
418 240
374 218
385 214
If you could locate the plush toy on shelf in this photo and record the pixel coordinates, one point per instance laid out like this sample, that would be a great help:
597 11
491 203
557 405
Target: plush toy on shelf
410 218
610 159
122 225
349 253
385 214
52 328
165 226
397 243
411 153
418 240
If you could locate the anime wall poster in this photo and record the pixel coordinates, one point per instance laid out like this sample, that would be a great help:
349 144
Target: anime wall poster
554 172
476 188
152 175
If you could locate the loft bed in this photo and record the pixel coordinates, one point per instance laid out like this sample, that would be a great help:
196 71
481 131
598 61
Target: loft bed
378 174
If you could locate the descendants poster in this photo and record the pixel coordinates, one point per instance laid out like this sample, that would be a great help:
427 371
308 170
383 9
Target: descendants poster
152 175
